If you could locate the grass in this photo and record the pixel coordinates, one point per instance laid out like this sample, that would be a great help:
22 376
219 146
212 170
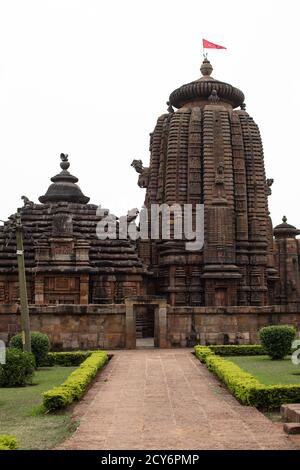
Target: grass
20 412
268 372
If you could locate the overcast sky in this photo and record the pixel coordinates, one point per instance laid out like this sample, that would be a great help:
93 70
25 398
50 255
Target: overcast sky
91 77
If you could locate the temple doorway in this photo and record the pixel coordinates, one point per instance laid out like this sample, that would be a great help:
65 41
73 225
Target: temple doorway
144 323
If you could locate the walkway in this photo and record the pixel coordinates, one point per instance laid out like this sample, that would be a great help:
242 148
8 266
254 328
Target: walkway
166 399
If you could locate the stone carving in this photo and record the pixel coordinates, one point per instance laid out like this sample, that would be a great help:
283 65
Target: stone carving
142 171
243 106
137 165
213 98
125 220
269 183
132 214
219 182
27 202
220 174
170 108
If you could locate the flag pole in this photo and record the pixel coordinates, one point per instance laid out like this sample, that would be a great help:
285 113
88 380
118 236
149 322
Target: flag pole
204 55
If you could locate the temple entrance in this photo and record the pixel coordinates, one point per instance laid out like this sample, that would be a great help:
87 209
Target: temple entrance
144 323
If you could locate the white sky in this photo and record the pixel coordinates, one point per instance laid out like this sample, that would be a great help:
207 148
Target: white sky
90 78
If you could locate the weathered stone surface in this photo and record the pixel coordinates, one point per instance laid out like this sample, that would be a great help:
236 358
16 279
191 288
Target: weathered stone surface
292 428
291 412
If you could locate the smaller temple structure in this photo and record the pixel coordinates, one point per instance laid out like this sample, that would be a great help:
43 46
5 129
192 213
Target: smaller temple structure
287 262
65 261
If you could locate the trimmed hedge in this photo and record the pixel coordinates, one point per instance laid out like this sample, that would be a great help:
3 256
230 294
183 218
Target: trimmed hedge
75 385
246 388
8 442
40 345
66 359
18 369
239 350
202 352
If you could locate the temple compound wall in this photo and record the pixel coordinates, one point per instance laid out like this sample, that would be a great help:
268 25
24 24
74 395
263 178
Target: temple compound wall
72 327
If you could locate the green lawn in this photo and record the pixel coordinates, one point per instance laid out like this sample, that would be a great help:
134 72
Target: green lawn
19 412
267 371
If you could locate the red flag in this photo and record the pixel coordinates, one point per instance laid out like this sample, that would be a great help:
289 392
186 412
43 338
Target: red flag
211 45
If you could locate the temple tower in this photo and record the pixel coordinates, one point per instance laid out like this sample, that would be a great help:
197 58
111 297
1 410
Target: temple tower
209 151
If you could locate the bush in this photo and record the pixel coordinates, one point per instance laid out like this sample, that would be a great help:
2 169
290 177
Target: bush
246 388
277 340
238 350
18 369
66 359
8 442
76 384
40 346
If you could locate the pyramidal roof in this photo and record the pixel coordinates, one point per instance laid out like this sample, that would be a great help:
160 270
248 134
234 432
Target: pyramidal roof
64 187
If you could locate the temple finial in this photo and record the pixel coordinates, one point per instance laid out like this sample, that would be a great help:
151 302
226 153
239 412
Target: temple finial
206 68
64 161
284 219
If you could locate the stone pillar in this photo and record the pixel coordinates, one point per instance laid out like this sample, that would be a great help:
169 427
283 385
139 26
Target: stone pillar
162 326
82 253
130 325
156 326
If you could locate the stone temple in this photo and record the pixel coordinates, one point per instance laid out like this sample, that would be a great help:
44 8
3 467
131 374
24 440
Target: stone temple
86 292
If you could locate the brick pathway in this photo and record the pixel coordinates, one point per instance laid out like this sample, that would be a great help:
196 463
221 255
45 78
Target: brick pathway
166 399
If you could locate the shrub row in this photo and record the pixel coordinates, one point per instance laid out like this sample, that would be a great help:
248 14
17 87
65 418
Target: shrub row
76 384
246 388
67 359
239 350
8 442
